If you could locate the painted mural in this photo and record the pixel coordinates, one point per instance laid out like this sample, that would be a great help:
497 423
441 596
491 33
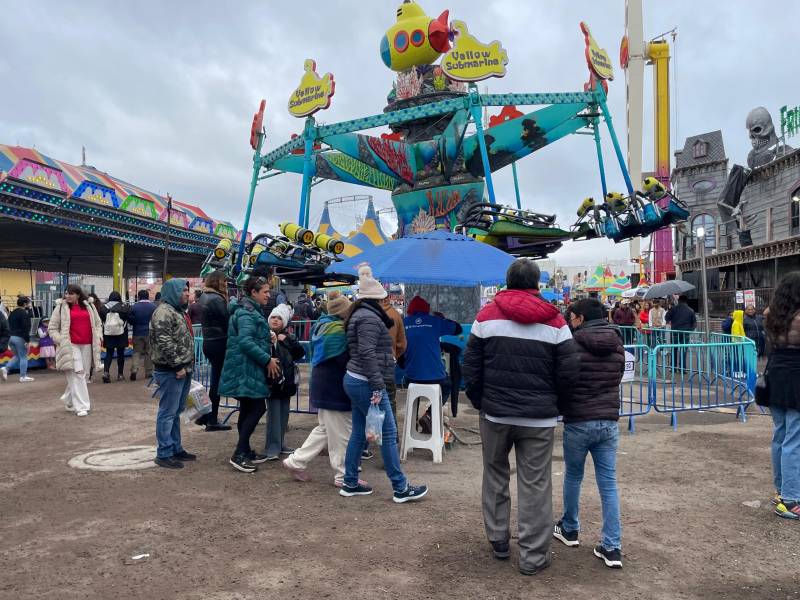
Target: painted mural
424 210
140 206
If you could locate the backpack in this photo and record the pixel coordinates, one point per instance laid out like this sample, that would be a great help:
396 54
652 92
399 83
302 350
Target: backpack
114 324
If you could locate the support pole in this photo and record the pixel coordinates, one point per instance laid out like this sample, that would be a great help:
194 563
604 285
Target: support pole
166 240
475 111
701 250
118 279
601 101
516 184
253 183
596 128
305 192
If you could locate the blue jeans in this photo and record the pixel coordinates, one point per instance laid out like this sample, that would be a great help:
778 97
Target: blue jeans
360 394
20 361
601 438
786 452
172 393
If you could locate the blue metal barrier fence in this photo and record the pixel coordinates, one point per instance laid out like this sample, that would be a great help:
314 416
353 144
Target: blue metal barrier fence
666 371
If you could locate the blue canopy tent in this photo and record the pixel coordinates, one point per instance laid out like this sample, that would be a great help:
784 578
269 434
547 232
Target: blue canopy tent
435 257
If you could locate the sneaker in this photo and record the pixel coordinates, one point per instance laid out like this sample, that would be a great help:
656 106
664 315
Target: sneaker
25 379
168 463
183 455
612 558
339 484
299 474
217 427
272 457
788 510
257 459
69 408
359 490
133 376
367 454
242 463
287 450
501 550
568 538
82 413
120 377
106 378
4 373
776 499
411 493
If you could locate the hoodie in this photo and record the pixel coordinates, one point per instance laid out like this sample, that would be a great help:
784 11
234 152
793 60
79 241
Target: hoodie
595 395
171 337
737 327
521 360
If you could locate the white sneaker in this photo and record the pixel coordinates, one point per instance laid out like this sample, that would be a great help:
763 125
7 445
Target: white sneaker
82 413
4 373
69 408
25 379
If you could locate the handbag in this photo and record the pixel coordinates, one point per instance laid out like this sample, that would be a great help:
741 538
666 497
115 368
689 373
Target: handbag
762 389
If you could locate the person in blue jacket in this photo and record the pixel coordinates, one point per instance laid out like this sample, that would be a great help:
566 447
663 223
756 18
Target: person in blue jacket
423 356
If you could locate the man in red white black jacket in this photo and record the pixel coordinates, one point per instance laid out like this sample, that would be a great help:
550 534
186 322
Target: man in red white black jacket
520 362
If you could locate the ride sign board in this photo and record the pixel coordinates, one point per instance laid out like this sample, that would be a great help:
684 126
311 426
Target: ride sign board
471 60
314 92
790 121
749 297
597 58
739 297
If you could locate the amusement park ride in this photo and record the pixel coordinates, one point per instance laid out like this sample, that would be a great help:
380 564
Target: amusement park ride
439 175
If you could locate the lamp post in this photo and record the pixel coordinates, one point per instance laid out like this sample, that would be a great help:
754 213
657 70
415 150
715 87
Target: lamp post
701 250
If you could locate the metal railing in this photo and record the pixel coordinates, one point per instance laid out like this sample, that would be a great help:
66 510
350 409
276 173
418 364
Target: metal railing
667 371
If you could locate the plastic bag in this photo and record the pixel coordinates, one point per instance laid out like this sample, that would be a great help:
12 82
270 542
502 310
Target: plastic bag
197 402
374 427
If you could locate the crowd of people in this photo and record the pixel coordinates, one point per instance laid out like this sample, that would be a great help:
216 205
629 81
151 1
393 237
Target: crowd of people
525 365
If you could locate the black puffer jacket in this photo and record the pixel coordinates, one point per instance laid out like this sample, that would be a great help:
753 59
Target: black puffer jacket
602 362
370 345
520 359
215 315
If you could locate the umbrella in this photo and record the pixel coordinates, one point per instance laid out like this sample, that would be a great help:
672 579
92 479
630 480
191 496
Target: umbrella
668 288
434 257
637 292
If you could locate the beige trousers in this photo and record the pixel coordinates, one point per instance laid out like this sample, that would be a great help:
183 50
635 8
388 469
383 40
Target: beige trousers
332 432
77 394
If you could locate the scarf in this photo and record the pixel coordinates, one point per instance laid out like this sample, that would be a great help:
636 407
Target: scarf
328 339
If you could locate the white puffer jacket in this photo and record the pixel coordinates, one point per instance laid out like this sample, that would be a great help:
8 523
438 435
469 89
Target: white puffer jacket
58 329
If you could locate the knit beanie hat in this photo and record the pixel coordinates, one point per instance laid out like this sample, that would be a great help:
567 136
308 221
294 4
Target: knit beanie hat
418 304
368 286
284 312
338 305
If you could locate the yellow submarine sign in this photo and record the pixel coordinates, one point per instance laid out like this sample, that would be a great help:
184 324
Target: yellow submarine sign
597 58
314 92
471 60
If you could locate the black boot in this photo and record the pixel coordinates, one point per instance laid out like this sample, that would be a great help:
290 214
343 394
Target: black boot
106 377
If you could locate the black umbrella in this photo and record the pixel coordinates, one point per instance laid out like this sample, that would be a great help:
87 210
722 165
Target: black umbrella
668 288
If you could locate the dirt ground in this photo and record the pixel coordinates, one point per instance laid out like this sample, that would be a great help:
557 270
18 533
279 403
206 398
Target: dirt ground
215 533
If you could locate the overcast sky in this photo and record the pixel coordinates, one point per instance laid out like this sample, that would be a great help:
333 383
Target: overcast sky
162 94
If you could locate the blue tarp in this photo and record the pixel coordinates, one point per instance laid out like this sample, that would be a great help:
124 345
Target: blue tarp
435 258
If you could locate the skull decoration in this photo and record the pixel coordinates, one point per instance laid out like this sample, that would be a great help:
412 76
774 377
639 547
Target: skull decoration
762 137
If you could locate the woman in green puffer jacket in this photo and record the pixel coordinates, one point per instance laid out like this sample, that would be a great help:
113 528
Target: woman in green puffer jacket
248 361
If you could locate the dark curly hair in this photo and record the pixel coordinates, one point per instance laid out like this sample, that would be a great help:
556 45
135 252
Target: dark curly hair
785 304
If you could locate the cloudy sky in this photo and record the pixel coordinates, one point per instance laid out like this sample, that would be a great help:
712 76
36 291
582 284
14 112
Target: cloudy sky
162 94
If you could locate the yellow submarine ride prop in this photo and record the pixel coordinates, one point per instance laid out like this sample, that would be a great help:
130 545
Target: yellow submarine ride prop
439 175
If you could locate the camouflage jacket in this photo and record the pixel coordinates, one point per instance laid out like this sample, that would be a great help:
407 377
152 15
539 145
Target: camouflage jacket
171 340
